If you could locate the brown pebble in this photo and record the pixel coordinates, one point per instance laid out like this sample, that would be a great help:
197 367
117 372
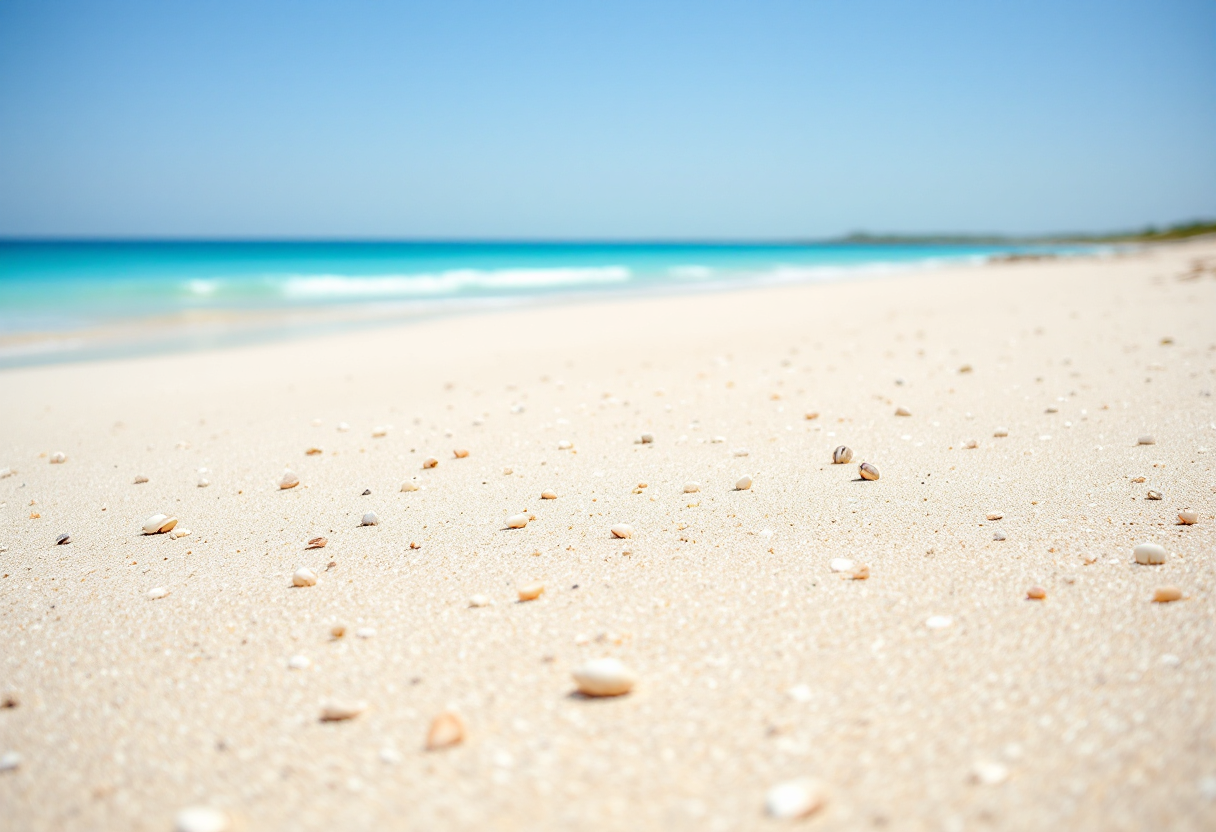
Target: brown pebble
415 545
140 480
1036 593
317 543
340 711
461 453
446 730
1166 594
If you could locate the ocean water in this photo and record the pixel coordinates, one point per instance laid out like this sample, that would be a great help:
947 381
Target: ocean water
71 300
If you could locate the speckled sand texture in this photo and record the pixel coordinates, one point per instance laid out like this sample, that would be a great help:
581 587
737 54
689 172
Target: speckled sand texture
756 664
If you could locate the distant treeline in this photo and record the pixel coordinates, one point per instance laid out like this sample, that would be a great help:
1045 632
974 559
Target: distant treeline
1179 231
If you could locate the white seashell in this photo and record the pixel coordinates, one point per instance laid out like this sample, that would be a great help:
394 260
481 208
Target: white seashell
201 819
998 535
480 601
548 495
1166 594
868 471
902 411
379 432
717 440
158 523
604 677
840 565
516 521
63 539
289 480
794 799
842 455
178 533
989 773
565 445
343 427
622 530
10 761
157 593
338 711
299 663
646 439
304 577
1149 554
203 482
743 483
58 457
531 592
1146 440
938 622
971 445
430 462
6 472
1000 433
370 519
692 487
1188 517
409 485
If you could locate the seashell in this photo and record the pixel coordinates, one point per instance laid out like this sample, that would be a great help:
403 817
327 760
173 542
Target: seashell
299 663
740 452
902 411
1146 440
304 577
317 543
58 458
868 471
158 523
203 482
179 533
743 484
861 573
516 521
970 445
692 487
811 415
548 495
998 535
460 453
1152 495
430 462
565 445
63 539
338 711
201 819
1000 433
379 432
842 455
1149 554
313 452
794 799
1166 594
6 472
370 519
604 677
1188 517
622 530
289 479
446 730
1137 479
157 592
1036 593
480 601
840 565
531 592
409 485
141 479
995 515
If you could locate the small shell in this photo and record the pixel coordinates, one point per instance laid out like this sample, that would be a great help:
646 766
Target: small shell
430 462
794 799
159 523
740 452
58 458
1036 593
1153 495
971 445
201 819
289 479
157 593
370 519
516 521
461 453
868 471
995 515
531 592
63 539
299 662
409 485
743 484
338 711
692 487
6 472
998 535
343 427
902 411
317 543
861 573
1146 440
646 439
304 577
811 415
840 565
1166 594
548 495
480 601
565 445
1149 554
1000 433
141 479
622 530
1188 517
842 455
604 677
203 482
446 730
379 432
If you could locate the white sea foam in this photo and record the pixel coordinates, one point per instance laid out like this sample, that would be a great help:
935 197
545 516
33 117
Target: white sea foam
692 272
203 287
333 286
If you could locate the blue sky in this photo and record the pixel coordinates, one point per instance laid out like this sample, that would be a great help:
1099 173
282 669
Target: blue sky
603 120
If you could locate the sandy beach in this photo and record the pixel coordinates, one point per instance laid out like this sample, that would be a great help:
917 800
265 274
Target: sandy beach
930 695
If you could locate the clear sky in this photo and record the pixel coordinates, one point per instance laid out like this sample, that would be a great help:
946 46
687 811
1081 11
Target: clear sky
603 120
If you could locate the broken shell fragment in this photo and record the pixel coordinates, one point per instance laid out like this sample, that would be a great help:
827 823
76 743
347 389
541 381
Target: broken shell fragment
201 819
1000 433
446 730
743 484
304 577
289 479
861 573
370 519
480 601
564 445
63 539
339 711
1149 554
1036 593
646 439
157 592
902 411
622 530
430 462
516 521
548 495
141 479
794 799
868 471
159 523
409 485
692 487
379 432
995 515
1188 517
1166 594
531 592
460 453
1153 495
840 565
317 543
58 458
1146 440
604 677
842 455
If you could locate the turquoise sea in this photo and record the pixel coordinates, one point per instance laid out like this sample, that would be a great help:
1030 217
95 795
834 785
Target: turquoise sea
71 300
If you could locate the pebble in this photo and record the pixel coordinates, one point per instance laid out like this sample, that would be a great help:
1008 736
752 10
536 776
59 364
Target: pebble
430 462
299 663
692 487
177 533
938 622
794 799
811 415
1153 495
370 519
304 577
998 535
842 455
840 565
379 431
159 523
604 677
1146 440
409 485
622 530
63 539
461 453
971 445
6 472
480 601
58 458
1166 594
868 471
565 445
201 819
289 479
446 730
516 521
902 411
1149 554
157 593
743 484
989 773
1000 433
139 480
548 495
9 761
317 543
1137 479
1036 593
740 452
1052 410
338 711
995 515
531 592
646 439
203 482
1188 517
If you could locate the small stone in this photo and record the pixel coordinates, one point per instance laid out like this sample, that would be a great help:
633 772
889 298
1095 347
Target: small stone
1146 440
840 565
157 593
480 601
530 592
1052 409
565 445
989 773
338 711
868 471
430 462
141 479
289 479
970 445
460 453
646 439
902 411
1188 517
1166 594
998 535
409 485
516 521
604 677
314 451
299 662
743 484
995 515
1137 479
159 524
842 455
370 519
317 543
622 530
1036 593
337 631
692 487
811 415
201 819
938 622
304 577
1149 554
1000 433
366 492
380 431
9 761
203 482
446 730
6 472
63 539
1153 495
740 452
548 495
58 458
794 799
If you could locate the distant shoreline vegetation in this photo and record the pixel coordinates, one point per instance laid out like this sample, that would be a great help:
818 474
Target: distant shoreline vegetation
1150 234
